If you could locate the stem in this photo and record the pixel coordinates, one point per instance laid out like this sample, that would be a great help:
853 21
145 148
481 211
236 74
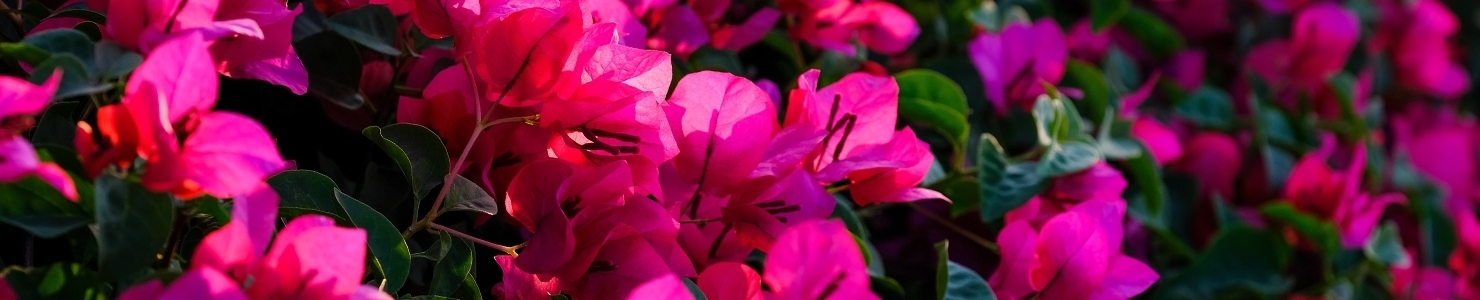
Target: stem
836 189
699 221
511 250
971 236
461 158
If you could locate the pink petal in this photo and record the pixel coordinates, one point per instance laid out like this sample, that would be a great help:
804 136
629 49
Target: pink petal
229 250
719 120
203 283
630 31
257 211
871 101
532 200
182 73
1126 277
1111 214
730 281
1159 140
20 97
19 158
1099 181
1019 243
665 287
229 154
646 70
1072 257
539 40
887 29
681 31
518 284
815 257
896 184
53 174
737 37
320 262
629 257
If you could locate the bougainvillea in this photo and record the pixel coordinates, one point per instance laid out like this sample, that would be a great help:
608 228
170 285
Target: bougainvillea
739 149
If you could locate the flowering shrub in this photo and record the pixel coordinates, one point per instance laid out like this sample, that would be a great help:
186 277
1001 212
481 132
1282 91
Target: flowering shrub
736 149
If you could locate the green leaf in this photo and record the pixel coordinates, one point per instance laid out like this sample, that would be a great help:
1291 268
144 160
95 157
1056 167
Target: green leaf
1004 186
843 210
210 206
927 96
23 52
1386 247
694 289
448 275
1156 35
886 287
1146 176
1104 13
1322 233
80 13
965 193
75 78
417 151
1121 72
1239 258
1208 106
35 206
706 58
1096 90
115 61
467 196
64 40
963 284
57 281
332 75
390 251
1045 113
133 228
93 31
302 191
372 26
932 86
1068 157
57 124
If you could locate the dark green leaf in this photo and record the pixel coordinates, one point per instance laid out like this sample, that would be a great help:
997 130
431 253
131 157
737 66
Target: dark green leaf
80 13
1104 13
1386 247
210 206
965 193
1322 233
385 242
707 58
1089 80
93 31
932 86
694 289
1239 258
57 124
332 75
448 275
844 211
1209 106
1121 71
469 289
885 287
58 281
1004 186
467 196
1146 176
1068 157
372 26
23 52
943 119
306 190
1158 37
964 284
1045 113
64 40
37 207
75 78
133 227
115 61
417 151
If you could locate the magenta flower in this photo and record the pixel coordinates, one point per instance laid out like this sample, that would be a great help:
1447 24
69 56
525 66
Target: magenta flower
1337 195
1074 255
1465 260
816 260
846 131
1423 282
537 40
1419 37
833 25
309 259
518 284
1322 38
1198 19
253 37
170 95
1214 159
20 101
719 121
1015 62
730 281
1100 181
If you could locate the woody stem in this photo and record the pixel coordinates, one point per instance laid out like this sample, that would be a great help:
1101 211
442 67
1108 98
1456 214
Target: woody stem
698 221
511 250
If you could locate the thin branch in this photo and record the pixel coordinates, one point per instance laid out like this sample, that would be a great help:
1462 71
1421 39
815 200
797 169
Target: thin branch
511 250
947 223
